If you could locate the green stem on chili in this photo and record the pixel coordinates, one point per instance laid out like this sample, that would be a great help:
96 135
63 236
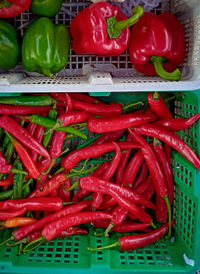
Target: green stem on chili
169 214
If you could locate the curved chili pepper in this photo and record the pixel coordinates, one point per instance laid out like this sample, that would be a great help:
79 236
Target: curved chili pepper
95 184
22 110
127 226
4 166
167 152
95 151
97 196
132 169
23 135
57 142
177 124
39 135
112 109
50 185
17 222
137 241
109 124
23 232
85 98
54 228
109 137
25 158
45 203
8 181
156 172
123 162
171 139
158 105
99 172
5 215
141 177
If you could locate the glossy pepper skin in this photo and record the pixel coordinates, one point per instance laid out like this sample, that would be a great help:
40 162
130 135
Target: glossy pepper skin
13 8
47 8
45 47
101 29
155 51
9 47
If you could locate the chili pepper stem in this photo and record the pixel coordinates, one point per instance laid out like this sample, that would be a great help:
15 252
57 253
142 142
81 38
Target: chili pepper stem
157 61
20 249
50 167
115 27
17 171
39 240
169 215
132 105
5 4
12 238
174 97
25 250
116 244
152 224
64 151
156 95
108 229
84 165
23 241
72 187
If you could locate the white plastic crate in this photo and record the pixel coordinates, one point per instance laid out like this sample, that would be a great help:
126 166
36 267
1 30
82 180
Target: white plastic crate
91 73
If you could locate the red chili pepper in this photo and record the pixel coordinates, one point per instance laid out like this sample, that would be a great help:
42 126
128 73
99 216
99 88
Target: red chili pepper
132 169
141 177
171 139
23 135
4 166
72 231
17 222
97 196
5 215
158 105
57 142
140 189
69 103
45 203
95 184
54 228
137 241
64 194
39 135
112 109
109 124
127 226
8 181
13 8
73 117
113 35
23 232
49 186
85 98
109 137
22 110
167 152
31 128
177 124
156 172
98 173
25 158
152 53
123 162
95 151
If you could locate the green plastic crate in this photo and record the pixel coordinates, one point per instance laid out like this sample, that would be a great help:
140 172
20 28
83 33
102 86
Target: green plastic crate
180 255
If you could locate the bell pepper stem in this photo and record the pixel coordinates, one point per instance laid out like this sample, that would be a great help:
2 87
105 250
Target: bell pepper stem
169 215
157 61
116 244
115 27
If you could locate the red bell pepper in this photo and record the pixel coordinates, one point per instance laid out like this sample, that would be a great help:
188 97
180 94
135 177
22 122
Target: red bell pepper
102 29
13 8
157 45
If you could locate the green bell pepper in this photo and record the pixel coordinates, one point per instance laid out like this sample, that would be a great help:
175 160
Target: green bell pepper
9 47
47 8
45 47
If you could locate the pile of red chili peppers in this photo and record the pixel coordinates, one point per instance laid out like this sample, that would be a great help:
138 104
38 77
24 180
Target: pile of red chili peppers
50 186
